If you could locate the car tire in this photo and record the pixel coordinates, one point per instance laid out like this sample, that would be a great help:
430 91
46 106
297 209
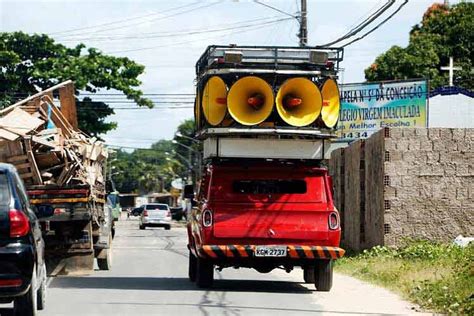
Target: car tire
192 267
41 294
323 275
142 227
204 273
168 227
26 305
309 275
105 264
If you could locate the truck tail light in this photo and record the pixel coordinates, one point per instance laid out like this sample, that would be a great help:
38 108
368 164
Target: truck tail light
168 214
207 218
145 213
19 223
333 220
10 283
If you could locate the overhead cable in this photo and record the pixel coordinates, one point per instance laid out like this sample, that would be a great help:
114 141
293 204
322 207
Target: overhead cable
378 25
363 24
123 20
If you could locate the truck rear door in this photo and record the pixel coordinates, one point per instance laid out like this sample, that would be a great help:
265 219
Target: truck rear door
270 206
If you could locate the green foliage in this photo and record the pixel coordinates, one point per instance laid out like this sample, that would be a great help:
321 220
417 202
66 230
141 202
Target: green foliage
152 170
444 32
30 61
436 276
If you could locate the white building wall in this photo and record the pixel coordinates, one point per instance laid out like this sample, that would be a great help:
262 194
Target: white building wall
452 111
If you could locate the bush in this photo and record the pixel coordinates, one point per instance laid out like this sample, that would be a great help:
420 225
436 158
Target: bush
436 276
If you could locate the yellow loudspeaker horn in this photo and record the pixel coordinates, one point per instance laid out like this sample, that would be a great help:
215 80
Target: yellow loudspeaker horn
299 101
250 100
331 103
214 100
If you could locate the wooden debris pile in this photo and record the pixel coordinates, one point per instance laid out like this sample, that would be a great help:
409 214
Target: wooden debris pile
39 135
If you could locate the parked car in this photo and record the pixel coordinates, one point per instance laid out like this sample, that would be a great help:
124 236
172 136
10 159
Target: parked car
22 265
177 213
156 215
137 211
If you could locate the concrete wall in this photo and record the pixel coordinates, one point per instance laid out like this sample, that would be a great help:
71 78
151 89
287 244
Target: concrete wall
399 183
430 189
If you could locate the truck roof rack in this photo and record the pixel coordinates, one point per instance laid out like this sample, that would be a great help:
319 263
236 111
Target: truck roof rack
284 60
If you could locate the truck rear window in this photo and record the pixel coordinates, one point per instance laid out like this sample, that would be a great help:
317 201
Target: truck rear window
268 186
4 190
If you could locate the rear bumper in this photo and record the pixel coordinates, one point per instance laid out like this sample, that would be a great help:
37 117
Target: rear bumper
294 252
150 221
16 263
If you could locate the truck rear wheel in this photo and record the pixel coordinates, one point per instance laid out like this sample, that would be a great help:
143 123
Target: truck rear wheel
308 275
204 273
323 275
192 269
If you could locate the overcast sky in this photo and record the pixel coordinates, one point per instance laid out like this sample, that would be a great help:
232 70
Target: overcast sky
170 53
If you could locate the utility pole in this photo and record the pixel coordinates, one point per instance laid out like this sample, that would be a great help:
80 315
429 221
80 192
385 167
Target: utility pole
303 34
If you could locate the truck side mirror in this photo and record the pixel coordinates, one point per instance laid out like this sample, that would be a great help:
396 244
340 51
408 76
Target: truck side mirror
188 191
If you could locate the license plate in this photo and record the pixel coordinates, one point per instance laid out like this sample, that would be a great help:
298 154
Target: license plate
270 251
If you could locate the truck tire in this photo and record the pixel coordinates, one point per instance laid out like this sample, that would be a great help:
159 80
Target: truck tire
168 227
26 304
204 273
105 264
192 267
308 275
142 227
323 275
41 294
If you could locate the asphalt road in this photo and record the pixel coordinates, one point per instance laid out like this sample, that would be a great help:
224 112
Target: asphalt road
149 277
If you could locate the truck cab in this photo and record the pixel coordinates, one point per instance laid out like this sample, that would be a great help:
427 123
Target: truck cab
264 215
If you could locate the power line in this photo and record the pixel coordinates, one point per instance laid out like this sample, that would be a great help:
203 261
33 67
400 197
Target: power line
363 24
191 41
177 33
156 19
378 25
276 9
123 20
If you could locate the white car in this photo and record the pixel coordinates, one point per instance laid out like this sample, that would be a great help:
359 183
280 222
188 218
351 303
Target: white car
156 215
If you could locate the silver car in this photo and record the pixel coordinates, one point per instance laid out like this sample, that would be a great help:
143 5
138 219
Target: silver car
156 215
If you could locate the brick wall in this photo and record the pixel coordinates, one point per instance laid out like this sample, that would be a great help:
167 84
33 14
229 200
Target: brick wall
400 183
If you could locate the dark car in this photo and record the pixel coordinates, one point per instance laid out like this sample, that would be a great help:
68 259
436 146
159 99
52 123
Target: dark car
177 213
137 211
22 265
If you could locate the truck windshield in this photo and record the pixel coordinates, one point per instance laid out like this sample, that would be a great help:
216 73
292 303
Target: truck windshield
4 190
269 186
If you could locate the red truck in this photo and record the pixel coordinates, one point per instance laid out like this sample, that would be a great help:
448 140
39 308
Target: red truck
265 116
264 216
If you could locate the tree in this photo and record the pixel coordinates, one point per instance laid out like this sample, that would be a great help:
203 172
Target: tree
443 32
29 62
153 169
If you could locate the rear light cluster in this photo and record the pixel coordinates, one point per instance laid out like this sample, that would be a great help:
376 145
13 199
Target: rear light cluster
168 214
207 218
19 223
333 220
145 213
10 283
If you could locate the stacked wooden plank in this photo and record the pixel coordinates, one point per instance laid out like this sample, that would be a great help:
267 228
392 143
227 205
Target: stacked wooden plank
39 135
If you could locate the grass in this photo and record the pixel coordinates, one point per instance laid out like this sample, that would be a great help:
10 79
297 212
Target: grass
437 277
